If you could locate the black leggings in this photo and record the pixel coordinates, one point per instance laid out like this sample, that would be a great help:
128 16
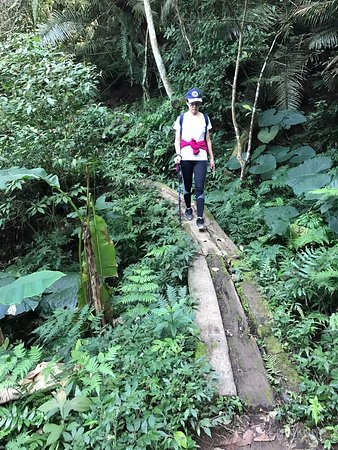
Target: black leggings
199 170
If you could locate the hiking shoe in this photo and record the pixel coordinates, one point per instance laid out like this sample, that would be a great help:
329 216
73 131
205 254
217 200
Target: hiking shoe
188 213
200 224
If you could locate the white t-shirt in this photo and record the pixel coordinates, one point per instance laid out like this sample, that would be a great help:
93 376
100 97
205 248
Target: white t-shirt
193 127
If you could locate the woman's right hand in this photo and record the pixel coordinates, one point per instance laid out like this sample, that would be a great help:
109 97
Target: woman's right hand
177 159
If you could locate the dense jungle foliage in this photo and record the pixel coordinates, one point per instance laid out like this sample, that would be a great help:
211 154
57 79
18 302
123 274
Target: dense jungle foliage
85 126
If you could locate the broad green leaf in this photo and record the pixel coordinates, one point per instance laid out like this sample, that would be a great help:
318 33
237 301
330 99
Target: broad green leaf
308 176
284 118
331 190
264 163
61 294
28 304
80 403
267 175
49 406
181 439
259 150
102 205
279 152
270 117
266 135
333 224
104 249
278 218
54 431
302 154
151 421
28 286
292 118
16 173
233 163
5 279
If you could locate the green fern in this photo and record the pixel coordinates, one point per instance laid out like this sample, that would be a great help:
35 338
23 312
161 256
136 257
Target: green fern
303 236
139 285
65 326
160 251
92 370
11 421
16 363
19 443
271 365
312 273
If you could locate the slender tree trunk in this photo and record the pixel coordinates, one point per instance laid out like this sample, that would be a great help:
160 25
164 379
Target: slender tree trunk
155 49
184 31
254 108
146 95
234 89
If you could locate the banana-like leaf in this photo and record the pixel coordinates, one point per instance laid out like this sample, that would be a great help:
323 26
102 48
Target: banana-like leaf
21 173
5 278
61 294
28 286
103 246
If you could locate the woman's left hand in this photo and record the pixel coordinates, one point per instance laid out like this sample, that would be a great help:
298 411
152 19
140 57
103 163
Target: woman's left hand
212 164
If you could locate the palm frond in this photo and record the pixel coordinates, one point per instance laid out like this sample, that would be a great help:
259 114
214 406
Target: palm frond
330 74
62 26
323 39
288 89
318 12
266 17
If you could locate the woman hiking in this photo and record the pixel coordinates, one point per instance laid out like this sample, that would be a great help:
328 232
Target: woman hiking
192 146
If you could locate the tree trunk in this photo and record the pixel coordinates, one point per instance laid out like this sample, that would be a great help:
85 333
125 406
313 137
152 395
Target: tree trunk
234 90
254 108
146 95
155 49
94 285
184 32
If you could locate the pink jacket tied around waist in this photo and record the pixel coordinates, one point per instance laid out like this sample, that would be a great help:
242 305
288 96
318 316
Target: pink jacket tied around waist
195 145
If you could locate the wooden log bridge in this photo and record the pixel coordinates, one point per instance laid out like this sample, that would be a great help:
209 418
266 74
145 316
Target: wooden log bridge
230 323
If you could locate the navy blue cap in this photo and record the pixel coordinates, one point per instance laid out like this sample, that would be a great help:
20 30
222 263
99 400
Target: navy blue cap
193 95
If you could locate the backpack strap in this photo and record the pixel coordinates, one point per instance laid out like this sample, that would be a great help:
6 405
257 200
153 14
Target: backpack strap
181 124
206 118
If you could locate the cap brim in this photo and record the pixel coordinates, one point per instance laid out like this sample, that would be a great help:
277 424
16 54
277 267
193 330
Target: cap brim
193 100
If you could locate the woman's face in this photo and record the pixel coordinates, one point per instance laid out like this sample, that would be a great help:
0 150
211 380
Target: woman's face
194 107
